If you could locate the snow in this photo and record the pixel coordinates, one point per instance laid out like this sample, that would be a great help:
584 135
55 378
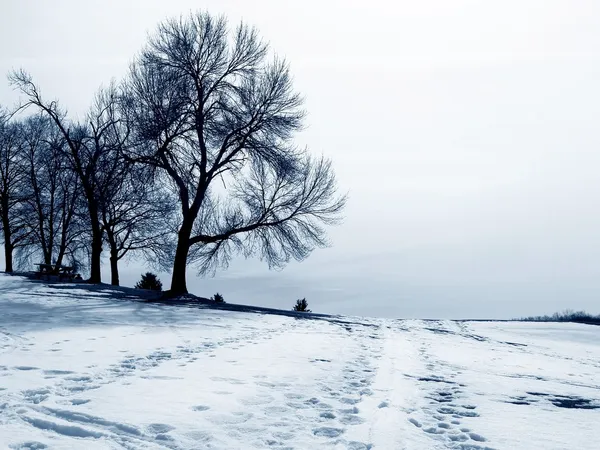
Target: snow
85 367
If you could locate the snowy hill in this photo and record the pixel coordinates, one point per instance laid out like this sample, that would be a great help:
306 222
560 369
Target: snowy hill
90 369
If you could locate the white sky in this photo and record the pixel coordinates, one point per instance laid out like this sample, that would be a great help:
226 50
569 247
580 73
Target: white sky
465 132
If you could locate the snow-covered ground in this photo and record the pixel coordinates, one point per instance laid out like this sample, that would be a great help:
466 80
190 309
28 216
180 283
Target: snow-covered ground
85 369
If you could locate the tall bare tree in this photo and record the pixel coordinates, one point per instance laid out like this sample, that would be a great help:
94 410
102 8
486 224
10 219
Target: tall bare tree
53 193
217 116
92 146
12 176
135 215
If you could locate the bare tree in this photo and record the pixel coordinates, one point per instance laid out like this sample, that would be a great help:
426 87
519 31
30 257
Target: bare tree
135 215
53 194
92 147
12 175
217 116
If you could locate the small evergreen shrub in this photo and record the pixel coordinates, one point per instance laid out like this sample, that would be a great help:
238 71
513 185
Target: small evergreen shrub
149 281
218 298
301 305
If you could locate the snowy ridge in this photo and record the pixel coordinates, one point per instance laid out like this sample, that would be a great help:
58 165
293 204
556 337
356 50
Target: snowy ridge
83 369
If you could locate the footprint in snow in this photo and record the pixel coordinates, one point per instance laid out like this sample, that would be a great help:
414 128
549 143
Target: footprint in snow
328 432
293 395
163 437
58 372
352 420
82 388
259 400
284 435
355 445
323 406
36 396
81 378
477 437
159 428
457 413
433 430
200 408
26 368
265 384
353 410
228 380
235 418
461 438
28 445
296 405
276 411
415 422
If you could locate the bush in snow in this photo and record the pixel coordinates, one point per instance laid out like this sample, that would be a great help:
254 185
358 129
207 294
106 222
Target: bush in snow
301 305
218 298
149 281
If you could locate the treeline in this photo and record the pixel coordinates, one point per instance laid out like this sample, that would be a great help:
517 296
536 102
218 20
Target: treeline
67 190
566 316
188 160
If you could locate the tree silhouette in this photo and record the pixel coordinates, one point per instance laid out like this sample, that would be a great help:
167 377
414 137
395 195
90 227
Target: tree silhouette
92 148
53 195
13 223
217 118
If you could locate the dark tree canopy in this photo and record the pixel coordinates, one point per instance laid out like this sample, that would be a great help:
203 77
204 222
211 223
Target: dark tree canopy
217 116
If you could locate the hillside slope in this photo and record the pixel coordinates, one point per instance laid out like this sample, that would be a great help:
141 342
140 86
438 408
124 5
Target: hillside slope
85 368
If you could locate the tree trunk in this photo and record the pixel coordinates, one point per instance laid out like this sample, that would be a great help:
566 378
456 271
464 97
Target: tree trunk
8 255
178 282
114 270
46 250
8 247
114 259
95 272
59 260
63 247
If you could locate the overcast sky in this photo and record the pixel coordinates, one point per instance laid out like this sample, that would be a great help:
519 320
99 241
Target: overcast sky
466 133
